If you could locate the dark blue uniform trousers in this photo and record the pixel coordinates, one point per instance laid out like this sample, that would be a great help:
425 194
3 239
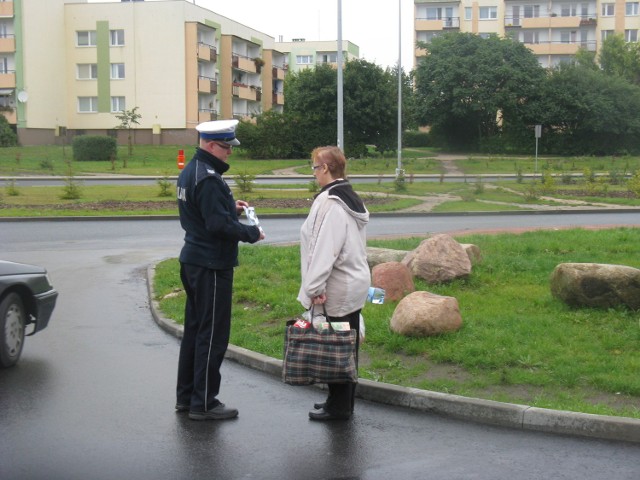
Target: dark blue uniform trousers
207 325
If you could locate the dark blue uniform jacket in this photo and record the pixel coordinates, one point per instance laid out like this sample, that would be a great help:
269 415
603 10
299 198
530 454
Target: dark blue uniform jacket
208 215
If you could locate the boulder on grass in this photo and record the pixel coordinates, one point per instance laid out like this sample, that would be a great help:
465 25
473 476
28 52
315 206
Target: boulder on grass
596 285
473 252
376 256
395 278
438 259
422 314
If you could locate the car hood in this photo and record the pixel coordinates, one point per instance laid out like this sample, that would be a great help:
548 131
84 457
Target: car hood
13 268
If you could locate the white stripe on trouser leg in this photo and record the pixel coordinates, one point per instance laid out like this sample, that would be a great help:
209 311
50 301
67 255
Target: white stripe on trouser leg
213 323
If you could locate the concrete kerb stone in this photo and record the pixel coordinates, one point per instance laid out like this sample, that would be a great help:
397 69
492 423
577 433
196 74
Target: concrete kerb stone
477 410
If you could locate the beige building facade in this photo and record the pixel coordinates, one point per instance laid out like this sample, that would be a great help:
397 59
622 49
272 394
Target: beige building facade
553 30
68 67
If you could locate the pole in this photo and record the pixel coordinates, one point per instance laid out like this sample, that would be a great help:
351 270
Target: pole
399 169
340 90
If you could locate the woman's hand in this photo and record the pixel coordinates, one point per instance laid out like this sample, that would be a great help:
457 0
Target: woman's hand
319 300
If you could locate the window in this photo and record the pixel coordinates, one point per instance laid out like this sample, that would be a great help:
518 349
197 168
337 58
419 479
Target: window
488 13
4 65
606 34
116 38
117 71
631 9
86 38
304 59
608 9
631 35
568 37
87 71
531 11
118 104
87 104
530 37
468 13
434 13
569 10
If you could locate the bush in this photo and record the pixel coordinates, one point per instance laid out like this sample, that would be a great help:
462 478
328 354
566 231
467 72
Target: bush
8 137
94 148
415 139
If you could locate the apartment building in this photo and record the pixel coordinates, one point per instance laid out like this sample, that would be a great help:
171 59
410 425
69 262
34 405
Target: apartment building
68 66
554 30
303 54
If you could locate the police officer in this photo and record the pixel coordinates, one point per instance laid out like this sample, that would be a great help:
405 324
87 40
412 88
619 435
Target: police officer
209 217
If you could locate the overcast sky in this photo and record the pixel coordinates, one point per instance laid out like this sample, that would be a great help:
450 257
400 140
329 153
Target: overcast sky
370 24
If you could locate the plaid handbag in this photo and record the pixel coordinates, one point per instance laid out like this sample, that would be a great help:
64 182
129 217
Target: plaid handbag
318 356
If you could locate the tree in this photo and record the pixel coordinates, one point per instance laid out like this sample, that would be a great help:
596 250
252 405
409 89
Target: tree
311 106
127 119
590 112
470 87
617 57
8 137
370 106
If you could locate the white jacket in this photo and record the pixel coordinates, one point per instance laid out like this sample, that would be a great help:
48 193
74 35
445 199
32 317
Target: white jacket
333 251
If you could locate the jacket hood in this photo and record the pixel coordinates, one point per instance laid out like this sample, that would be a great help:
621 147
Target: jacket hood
342 192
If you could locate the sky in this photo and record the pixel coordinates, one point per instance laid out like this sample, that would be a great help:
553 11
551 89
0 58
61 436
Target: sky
370 24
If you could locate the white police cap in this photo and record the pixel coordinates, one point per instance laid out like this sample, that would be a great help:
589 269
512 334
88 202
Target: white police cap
219 130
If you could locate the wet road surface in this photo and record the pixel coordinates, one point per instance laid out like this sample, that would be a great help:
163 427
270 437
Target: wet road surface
93 395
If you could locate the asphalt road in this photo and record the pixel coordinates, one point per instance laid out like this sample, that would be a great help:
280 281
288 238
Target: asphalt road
93 394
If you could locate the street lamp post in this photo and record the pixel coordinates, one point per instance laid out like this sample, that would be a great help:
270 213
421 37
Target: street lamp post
399 170
340 90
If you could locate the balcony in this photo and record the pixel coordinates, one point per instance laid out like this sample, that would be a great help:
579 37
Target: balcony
246 92
7 42
7 79
206 115
6 9
278 98
560 47
244 63
207 85
278 73
207 53
431 24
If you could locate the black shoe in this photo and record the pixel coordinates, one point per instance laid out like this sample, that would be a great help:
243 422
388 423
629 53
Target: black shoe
182 407
323 416
220 412
319 406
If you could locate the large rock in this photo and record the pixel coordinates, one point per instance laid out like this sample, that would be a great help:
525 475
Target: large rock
422 314
376 256
473 252
438 259
395 278
596 285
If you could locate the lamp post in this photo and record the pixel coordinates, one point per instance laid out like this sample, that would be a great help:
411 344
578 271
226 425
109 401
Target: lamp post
340 90
399 170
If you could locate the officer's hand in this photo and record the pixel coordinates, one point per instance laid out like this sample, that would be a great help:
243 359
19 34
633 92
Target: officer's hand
240 204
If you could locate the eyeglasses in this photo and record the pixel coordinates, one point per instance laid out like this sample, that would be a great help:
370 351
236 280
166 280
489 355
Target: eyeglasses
224 146
313 167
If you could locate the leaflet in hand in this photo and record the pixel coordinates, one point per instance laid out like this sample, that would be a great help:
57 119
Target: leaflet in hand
251 216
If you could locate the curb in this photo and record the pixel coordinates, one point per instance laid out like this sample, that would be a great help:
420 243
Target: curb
476 410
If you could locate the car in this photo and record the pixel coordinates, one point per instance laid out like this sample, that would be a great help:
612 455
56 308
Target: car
27 300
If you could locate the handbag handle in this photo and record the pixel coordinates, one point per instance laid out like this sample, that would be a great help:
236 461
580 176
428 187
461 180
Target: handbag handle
324 310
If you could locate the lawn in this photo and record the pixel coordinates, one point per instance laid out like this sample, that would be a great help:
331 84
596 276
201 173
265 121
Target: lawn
518 344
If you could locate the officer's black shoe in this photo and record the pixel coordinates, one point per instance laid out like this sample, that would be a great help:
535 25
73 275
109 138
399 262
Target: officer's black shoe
220 412
319 406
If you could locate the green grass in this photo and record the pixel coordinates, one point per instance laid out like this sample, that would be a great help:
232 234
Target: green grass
518 344
160 160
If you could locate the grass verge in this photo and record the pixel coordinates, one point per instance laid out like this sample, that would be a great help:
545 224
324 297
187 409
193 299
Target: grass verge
518 344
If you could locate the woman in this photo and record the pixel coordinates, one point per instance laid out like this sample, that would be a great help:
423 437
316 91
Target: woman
334 262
